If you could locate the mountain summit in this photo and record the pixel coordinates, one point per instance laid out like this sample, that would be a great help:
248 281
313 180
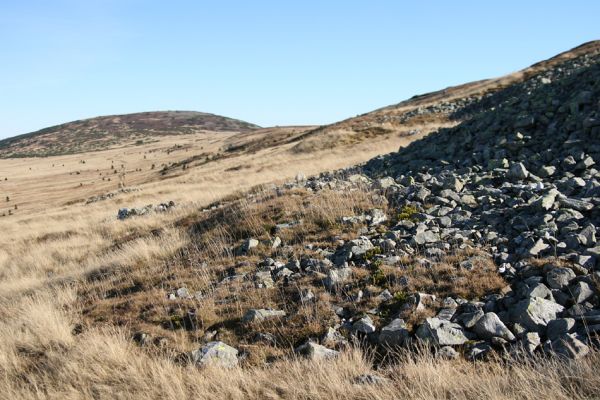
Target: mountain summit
107 131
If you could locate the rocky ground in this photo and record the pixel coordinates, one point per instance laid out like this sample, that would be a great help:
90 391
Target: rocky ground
478 240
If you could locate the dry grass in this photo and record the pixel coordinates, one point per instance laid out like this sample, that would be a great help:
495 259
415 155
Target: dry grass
41 358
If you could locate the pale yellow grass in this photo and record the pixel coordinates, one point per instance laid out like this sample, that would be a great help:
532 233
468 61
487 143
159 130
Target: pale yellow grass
40 358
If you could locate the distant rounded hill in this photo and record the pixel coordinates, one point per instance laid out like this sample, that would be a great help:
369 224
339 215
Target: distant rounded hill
103 132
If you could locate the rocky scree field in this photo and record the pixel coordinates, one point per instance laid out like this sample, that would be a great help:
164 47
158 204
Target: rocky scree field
476 243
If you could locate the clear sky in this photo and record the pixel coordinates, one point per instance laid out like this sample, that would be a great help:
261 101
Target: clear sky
268 62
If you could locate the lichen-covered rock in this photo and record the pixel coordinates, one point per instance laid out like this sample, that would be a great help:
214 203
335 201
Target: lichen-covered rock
215 354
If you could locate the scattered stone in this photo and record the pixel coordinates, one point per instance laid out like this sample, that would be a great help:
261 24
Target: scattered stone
337 276
314 351
364 325
369 379
215 354
257 315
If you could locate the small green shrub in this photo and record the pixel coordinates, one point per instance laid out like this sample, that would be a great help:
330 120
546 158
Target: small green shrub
408 213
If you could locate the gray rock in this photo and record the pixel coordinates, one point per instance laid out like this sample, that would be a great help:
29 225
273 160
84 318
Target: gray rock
448 353
569 346
394 334
559 327
559 277
422 238
314 351
518 171
363 325
337 276
441 333
261 314
534 313
490 326
581 292
215 354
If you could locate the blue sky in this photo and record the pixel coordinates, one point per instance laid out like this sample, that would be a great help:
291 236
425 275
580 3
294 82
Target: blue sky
267 62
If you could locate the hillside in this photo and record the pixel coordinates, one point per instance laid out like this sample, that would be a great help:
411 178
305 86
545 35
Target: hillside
278 263
421 114
114 130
